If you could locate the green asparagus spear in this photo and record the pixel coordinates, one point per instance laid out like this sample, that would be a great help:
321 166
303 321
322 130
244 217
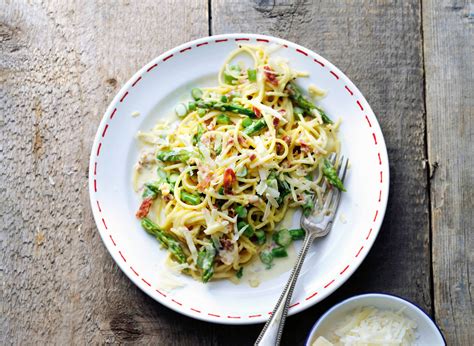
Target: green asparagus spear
192 106
266 257
231 78
298 98
153 189
196 93
308 205
173 155
248 232
149 192
331 175
282 237
197 136
255 127
223 119
247 122
241 211
279 252
206 262
297 233
261 238
167 240
283 188
225 107
190 198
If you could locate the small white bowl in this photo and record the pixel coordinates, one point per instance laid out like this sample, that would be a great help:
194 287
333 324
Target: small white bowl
427 331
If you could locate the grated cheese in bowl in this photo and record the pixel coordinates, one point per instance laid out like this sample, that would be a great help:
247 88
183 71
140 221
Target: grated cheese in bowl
371 326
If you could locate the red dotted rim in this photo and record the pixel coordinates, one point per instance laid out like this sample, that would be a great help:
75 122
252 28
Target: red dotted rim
99 213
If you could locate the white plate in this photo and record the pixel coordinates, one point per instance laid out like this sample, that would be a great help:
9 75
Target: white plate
153 91
427 332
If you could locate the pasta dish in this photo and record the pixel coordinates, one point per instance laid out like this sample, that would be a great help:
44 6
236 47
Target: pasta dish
215 184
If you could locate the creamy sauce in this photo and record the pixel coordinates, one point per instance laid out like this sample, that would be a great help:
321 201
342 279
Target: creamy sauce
256 272
143 174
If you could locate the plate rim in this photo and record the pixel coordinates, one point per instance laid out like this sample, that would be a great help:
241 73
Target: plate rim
251 319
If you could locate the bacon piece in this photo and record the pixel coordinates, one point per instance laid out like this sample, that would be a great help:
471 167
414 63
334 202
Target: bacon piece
287 139
229 179
226 243
168 198
276 121
279 147
270 75
257 112
144 208
242 140
305 147
252 157
204 183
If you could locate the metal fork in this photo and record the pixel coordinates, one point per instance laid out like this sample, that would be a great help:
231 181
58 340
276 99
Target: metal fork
316 225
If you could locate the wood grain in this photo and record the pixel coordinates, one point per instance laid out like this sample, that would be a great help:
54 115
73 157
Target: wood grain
449 49
378 44
61 63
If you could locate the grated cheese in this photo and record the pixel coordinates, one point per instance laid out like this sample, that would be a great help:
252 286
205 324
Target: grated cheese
370 326
189 241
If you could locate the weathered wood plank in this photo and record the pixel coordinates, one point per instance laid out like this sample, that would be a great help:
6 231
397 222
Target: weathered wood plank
449 50
60 65
379 46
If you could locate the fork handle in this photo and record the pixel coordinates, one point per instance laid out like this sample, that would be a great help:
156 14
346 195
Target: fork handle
273 329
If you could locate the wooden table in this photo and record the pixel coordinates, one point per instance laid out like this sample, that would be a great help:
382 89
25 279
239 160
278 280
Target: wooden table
60 65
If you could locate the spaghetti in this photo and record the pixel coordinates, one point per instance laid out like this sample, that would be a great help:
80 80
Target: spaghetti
215 185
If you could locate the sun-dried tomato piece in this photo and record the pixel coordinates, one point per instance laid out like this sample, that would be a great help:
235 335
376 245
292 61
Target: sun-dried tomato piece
257 112
270 75
144 208
229 179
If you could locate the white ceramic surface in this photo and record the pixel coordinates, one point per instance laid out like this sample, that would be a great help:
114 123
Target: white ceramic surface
427 331
153 91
